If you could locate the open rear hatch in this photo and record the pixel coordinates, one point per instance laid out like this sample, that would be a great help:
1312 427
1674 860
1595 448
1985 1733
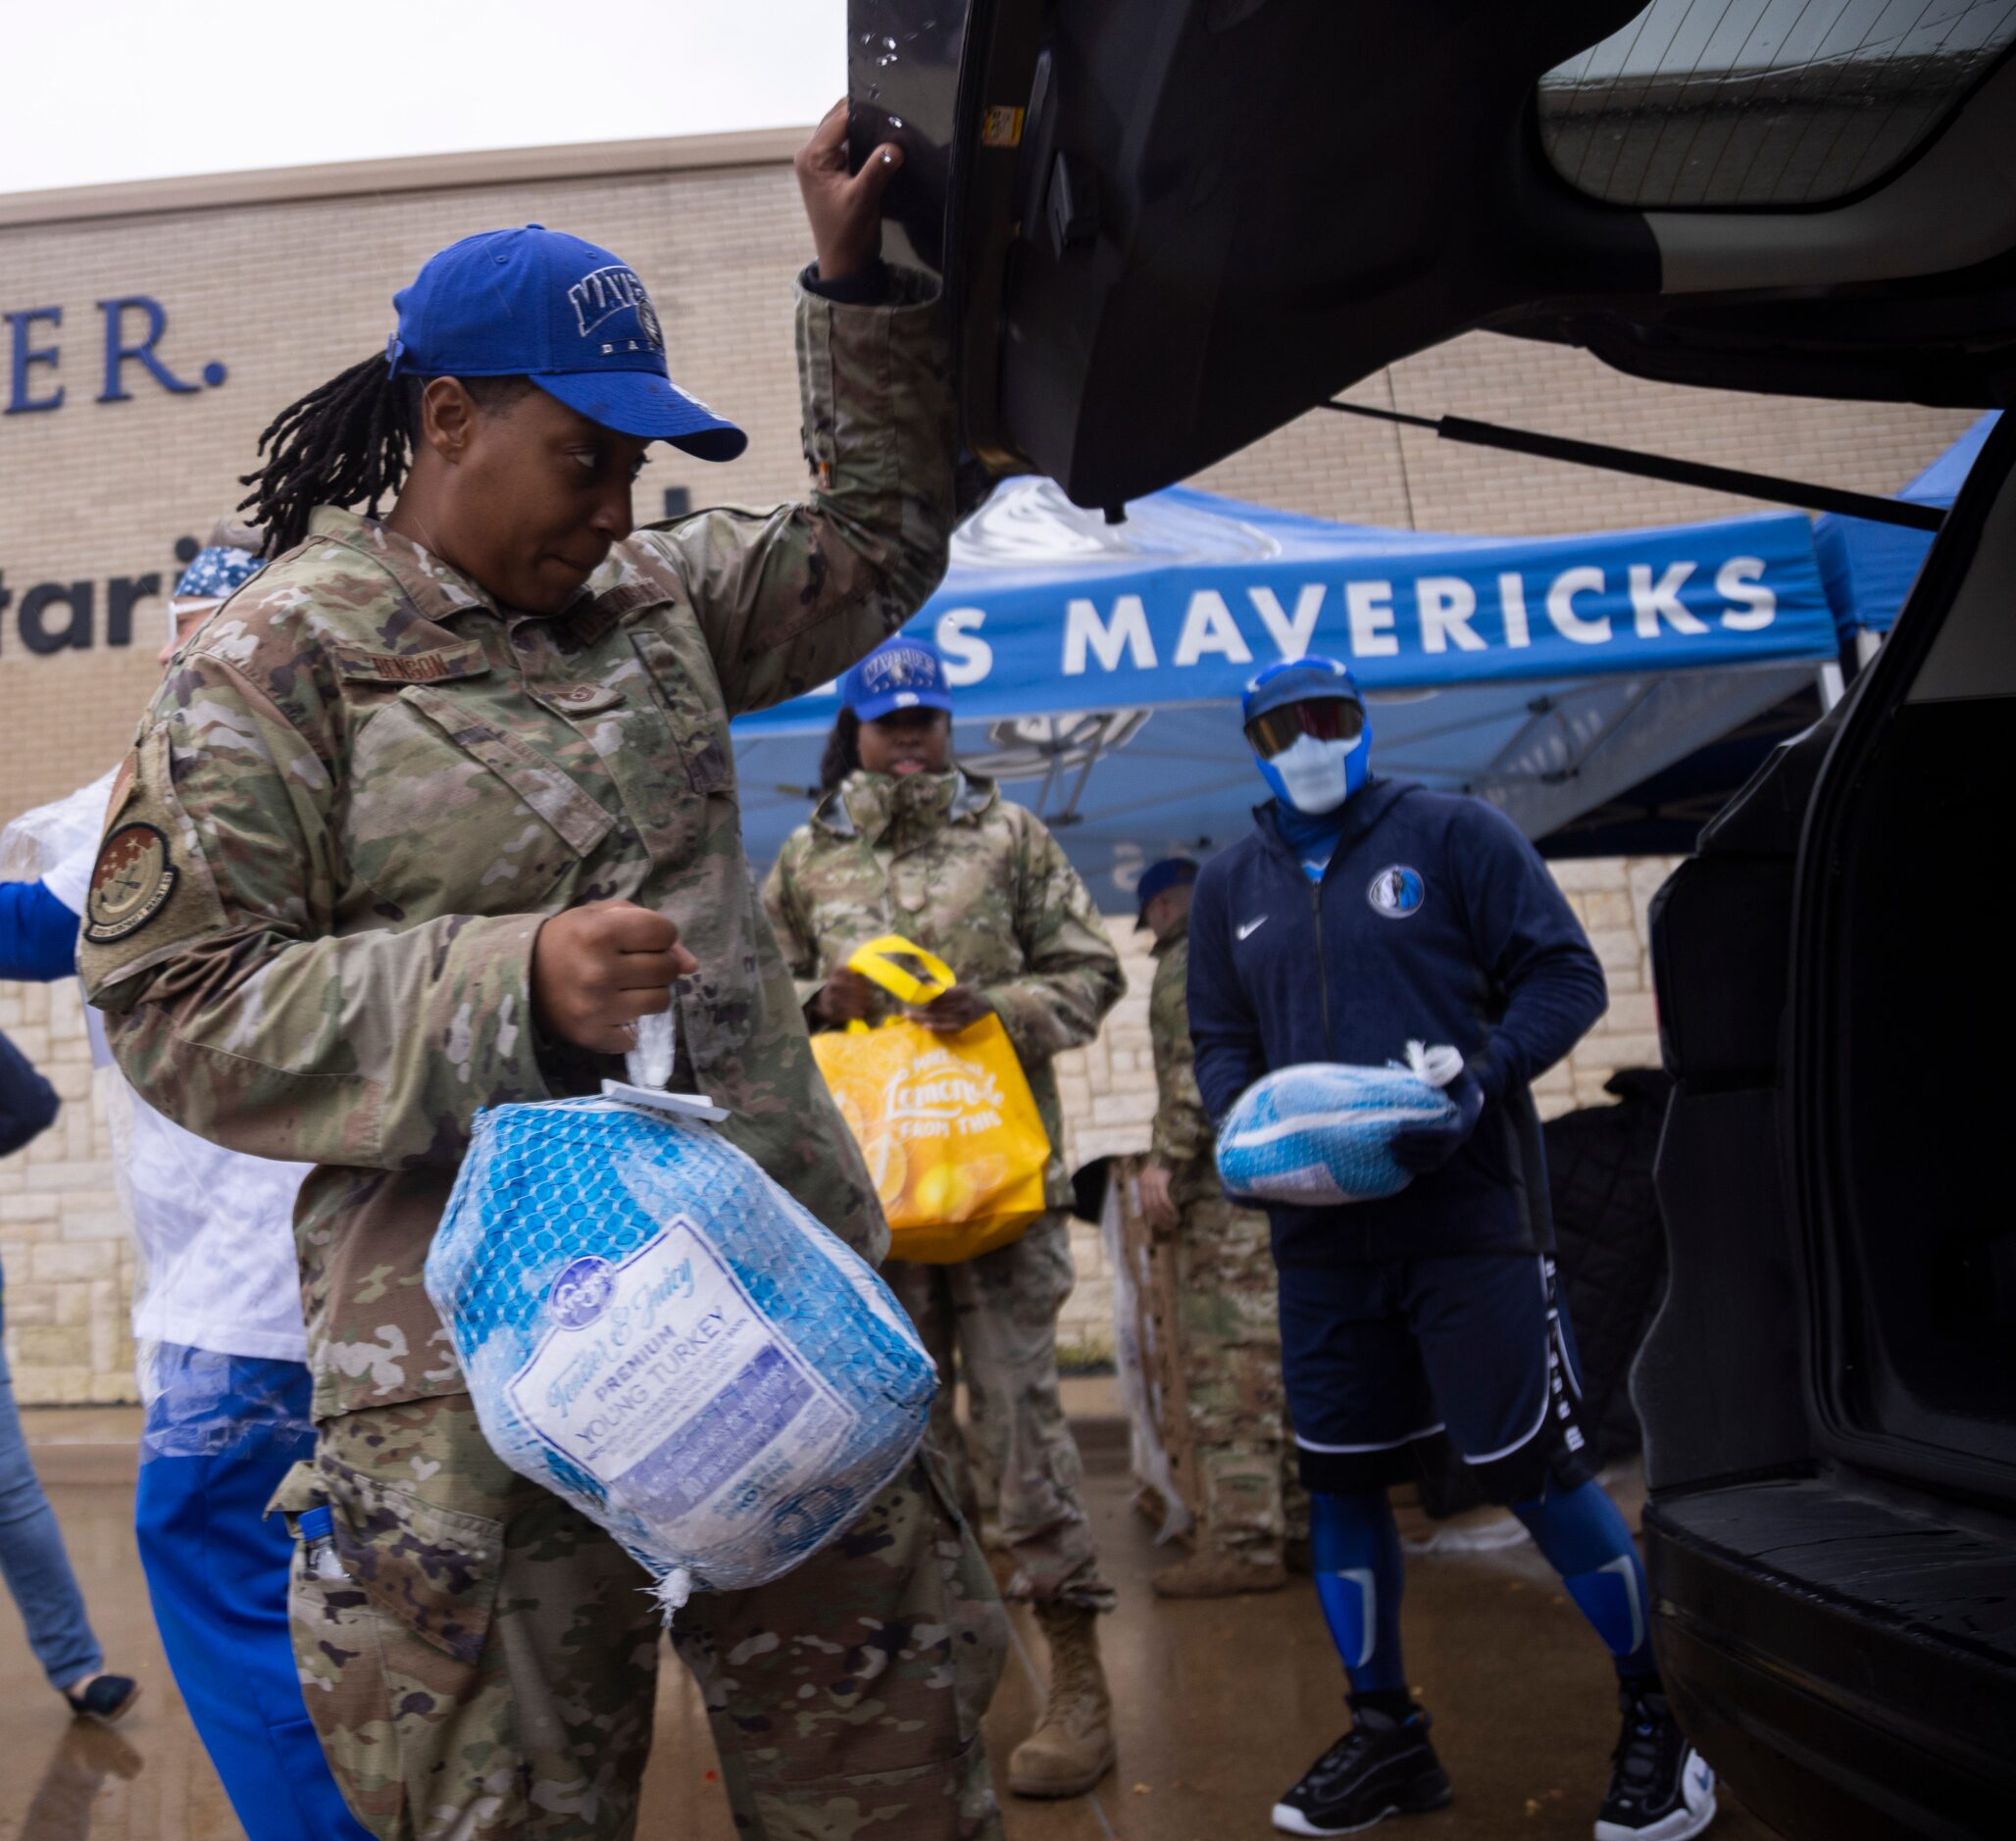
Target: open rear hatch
1829 1391
1168 226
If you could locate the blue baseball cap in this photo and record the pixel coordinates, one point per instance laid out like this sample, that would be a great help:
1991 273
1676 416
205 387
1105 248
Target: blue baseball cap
900 673
1298 681
571 316
1170 872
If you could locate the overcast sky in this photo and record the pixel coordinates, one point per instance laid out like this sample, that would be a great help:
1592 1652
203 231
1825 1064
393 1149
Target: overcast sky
131 89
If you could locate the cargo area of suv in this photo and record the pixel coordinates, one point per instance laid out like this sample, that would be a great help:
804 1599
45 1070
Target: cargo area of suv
1829 1393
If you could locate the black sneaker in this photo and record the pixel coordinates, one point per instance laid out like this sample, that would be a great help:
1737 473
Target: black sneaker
105 1697
1660 1789
1381 1768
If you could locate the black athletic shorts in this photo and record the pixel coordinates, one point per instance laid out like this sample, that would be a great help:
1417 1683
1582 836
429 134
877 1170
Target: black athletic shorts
1380 1358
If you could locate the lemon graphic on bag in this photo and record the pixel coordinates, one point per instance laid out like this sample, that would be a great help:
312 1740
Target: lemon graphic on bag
888 1168
945 1191
947 1124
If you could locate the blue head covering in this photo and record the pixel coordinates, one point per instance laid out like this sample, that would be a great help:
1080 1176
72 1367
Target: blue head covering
1170 872
571 316
216 571
1329 772
1298 681
900 673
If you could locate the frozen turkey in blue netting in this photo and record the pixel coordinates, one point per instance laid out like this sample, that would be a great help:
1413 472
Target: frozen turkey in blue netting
1323 1131
656 1331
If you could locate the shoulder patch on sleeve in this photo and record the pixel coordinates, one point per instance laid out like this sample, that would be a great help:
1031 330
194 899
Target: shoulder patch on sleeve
151 891
131 883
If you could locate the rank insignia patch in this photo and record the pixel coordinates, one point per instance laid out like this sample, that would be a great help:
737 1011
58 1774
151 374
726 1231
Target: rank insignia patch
131 883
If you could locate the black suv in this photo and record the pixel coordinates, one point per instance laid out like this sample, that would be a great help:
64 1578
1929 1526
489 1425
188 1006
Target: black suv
1166 227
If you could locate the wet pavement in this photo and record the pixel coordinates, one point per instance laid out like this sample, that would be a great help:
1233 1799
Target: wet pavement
1221 1705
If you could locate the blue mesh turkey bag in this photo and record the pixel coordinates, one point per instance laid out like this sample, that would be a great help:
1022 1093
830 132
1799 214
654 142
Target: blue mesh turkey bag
657 1332
1323 1132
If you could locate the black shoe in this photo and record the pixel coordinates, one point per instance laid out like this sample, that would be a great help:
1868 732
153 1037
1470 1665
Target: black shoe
105 1697
1660 1789
1378 1768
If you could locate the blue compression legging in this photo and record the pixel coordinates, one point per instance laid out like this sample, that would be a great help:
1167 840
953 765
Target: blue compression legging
1356 1549
1359 1576
1586 1540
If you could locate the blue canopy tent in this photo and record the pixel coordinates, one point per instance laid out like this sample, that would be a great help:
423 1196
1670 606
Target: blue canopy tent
1868 569
1098 667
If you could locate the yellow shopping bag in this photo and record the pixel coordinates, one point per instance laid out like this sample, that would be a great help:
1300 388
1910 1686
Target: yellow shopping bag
947 1123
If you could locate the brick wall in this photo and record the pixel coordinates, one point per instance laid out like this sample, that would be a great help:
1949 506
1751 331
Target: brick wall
286 293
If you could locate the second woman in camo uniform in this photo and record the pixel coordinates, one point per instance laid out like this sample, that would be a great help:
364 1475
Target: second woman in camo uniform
906 842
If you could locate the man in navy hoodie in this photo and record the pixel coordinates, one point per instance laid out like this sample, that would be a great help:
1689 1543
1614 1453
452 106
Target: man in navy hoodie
1362 913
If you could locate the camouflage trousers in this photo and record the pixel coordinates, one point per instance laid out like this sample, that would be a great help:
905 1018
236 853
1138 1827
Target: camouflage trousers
1251 1498
994 1320
480 1661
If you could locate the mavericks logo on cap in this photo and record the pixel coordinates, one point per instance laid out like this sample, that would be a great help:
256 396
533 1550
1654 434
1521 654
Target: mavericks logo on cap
601 295
898 666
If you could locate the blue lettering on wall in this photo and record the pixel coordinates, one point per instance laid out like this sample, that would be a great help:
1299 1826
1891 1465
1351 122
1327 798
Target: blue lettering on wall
21 328
135 326
118 353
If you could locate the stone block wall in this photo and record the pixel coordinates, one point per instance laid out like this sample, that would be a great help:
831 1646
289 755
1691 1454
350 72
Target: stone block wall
68 1260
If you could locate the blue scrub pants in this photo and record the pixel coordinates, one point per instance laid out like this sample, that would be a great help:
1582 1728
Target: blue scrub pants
221 1434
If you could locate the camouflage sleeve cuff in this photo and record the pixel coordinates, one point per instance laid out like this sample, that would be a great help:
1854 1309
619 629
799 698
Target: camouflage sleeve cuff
903 336
1184 1138
867 288
1027 1016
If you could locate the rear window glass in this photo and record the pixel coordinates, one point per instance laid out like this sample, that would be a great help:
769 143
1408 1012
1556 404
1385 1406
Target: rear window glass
1763 101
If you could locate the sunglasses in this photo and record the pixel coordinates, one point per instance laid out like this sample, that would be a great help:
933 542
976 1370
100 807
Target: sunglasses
1328 719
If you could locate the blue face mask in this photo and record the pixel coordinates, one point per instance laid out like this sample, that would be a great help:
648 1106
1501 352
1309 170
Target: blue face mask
1317 776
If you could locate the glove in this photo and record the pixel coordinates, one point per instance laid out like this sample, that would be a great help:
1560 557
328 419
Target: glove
1421 1148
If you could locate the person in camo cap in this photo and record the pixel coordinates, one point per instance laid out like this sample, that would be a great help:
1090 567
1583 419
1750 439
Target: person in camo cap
423 821
906 841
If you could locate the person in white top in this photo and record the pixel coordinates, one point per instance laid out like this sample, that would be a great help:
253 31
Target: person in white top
223 1369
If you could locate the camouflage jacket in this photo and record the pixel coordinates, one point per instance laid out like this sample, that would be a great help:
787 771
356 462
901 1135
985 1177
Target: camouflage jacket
364 785
1182 1139
943 860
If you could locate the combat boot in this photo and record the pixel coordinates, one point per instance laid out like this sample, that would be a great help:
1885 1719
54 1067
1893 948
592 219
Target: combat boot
1207 1575
1072 1747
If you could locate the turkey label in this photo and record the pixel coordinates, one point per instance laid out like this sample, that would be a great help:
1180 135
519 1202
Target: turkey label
661 1380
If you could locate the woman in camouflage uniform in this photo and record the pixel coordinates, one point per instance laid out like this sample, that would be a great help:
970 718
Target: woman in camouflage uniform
422 819
905 842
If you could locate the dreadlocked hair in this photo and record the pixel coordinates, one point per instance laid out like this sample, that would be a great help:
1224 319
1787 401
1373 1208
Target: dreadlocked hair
348 441
842 751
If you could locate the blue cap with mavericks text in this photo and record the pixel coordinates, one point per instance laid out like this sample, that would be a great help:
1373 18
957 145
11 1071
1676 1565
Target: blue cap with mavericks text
900 673
571 316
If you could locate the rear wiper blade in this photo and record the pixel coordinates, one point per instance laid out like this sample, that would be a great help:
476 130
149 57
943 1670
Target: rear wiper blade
1625 460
